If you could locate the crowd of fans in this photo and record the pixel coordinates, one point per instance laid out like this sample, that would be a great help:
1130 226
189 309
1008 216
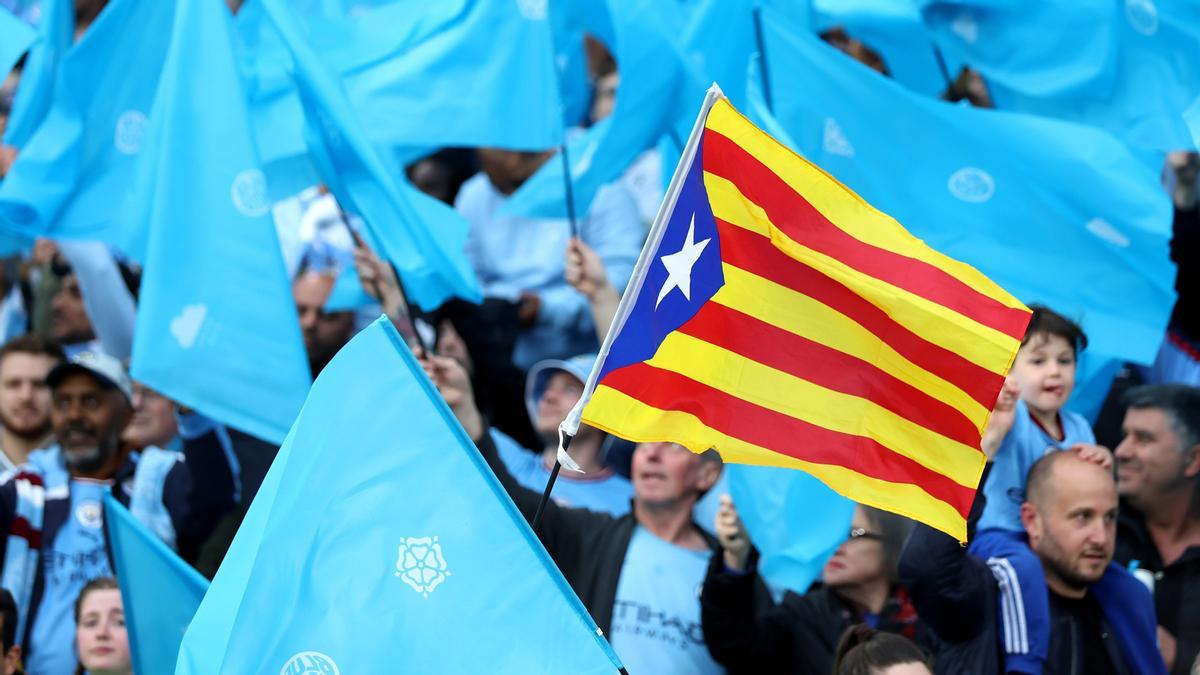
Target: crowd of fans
1084 555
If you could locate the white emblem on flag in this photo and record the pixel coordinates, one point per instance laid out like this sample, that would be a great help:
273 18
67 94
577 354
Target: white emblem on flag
186 326
534 10
965 27
1105 230
421 565
249 192
972 184
1142 15
835 142
679 265
310 663
131 126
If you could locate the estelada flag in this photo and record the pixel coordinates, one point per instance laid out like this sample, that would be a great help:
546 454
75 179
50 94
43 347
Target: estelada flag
777 317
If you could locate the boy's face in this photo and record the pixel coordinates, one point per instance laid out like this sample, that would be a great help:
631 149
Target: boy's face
1045 371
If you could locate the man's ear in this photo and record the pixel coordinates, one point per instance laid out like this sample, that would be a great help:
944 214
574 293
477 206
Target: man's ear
710 471
1191 467
12 660
1031 521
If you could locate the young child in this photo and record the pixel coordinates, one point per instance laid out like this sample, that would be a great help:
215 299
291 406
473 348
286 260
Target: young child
1029 422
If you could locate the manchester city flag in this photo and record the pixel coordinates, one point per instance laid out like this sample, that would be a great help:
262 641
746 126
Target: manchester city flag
380 542
776 316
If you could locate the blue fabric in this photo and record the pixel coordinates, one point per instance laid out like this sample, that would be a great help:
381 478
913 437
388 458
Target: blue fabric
449 581
1024 608
656 614
1129 607
406 66
348 293
780 509
227 343
656 90
1025 444
606 492
159 591
69 179
1057 213
76 556
895 31
56 35
15 38
511 254
424 242
1192 117
1128 67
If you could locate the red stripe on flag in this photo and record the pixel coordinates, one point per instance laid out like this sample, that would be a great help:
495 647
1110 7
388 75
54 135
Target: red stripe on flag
792 214
772 346
756 254
781 433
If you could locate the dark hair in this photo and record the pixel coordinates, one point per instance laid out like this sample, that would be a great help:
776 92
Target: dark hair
865 651
893 530
97 584
1046 321
32 344
8 610
1179 401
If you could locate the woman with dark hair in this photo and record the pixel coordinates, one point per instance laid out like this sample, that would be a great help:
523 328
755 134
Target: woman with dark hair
100 638
866 651
748 634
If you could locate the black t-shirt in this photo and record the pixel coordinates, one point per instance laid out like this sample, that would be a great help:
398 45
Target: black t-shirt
1080 639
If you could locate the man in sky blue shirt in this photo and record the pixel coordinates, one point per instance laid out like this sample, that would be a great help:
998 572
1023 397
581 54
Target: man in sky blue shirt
521 259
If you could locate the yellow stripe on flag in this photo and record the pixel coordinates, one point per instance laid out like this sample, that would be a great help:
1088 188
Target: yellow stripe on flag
789 395
615 412
801 315
841 205
982 345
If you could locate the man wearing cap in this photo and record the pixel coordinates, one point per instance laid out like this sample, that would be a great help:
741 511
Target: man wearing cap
52 512
552 389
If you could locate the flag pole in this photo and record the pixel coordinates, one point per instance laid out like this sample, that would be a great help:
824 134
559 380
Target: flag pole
569 188
537 515
762 59
375 287
941 63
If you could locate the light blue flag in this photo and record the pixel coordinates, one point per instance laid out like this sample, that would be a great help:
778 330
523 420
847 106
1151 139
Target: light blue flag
657 89
56 34
1057 213
893 28
409 557
795 522
160 592
15 38
423 238
419 75
217 328
70 178
1129 67
1192 117
348 293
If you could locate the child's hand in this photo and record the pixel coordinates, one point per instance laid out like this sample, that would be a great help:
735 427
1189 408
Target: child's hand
1096 454
1001 420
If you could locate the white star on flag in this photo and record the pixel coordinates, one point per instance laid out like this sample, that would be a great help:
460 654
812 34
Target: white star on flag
679 265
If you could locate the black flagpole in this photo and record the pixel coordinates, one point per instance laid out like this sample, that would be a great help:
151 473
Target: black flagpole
762 59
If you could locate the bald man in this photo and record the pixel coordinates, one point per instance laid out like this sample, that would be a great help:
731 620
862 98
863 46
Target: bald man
1069 518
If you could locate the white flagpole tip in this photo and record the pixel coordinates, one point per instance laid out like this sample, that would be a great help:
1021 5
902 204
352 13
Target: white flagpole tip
716 89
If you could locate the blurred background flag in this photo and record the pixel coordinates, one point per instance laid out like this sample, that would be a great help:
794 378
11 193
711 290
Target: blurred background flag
425 244
160 592
56 34
15 38
217 328
1058 213
1128 67
452 580
70 179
